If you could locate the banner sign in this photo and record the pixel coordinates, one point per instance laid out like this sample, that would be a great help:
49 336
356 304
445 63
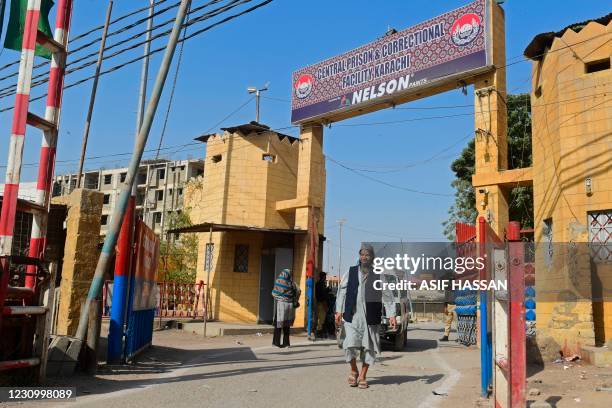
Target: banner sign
147 257
449 47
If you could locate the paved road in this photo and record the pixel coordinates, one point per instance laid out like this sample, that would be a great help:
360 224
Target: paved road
184 370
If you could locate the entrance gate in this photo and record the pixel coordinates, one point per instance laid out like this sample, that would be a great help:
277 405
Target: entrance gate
461 47
140 302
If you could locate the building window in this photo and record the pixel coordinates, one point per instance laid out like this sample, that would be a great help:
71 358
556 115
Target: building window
106 199
216 158
596 66
159 195
161 174
122 177
270 158
600 236
108 179
179 191
104 220
547 235
241 258
157 217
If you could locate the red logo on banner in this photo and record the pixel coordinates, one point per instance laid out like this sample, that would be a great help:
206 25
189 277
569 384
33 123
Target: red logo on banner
465 29
304 85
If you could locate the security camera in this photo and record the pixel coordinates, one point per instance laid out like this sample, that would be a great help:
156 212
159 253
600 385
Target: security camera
483 191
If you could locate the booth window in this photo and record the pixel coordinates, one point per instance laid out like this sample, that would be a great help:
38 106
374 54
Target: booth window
241 258
596 66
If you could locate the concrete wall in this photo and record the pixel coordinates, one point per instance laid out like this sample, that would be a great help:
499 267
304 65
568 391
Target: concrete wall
572 140
80 255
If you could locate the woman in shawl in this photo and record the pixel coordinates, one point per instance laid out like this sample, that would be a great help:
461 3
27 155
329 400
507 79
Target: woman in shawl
286 295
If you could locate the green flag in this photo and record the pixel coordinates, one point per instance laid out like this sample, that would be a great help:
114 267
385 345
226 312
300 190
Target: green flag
16 23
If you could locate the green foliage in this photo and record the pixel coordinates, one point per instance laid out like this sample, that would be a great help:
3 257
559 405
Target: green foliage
519 155
179 256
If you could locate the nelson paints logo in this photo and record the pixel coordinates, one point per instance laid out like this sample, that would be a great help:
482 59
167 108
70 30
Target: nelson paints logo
465 29
304 85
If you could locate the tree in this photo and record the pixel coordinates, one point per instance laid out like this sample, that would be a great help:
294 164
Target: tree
519 155
178 257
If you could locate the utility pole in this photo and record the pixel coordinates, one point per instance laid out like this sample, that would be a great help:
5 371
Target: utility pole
257 92
340 224
122 277
140 143
94 90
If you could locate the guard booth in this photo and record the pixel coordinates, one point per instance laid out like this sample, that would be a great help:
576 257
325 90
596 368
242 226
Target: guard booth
134 304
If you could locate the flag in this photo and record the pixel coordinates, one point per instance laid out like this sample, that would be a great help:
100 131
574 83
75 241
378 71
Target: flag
16 23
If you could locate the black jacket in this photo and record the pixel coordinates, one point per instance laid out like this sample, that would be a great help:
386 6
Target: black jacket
373 298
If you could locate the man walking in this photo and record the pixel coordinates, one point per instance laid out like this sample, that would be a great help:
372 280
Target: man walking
449 309
359 306
322 296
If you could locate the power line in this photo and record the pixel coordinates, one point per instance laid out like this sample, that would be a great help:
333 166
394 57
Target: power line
44 77
184 146
417 163
171 98
85 34
117 67
410 190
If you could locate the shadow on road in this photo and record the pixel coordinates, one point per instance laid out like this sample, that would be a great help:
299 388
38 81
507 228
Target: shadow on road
165 365
400 379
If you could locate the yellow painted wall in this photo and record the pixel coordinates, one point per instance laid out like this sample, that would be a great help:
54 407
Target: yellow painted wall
243 189
234 295
572 140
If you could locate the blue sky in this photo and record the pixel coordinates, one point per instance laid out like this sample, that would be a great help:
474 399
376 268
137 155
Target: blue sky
266 46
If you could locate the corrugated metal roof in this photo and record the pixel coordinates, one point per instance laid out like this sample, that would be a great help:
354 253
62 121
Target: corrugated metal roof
246 129
537 46
206 226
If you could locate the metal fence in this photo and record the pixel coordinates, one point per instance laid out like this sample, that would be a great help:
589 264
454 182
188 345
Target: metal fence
181 300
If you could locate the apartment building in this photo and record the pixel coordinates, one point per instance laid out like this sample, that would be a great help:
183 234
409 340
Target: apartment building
160 188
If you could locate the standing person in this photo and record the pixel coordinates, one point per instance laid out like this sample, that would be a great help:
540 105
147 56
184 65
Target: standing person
322 296
359 306
286 296
449 308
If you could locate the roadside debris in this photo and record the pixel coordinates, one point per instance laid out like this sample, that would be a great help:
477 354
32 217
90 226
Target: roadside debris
442 394
534 392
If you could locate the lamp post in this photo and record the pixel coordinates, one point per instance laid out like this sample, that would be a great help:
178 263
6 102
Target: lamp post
257 92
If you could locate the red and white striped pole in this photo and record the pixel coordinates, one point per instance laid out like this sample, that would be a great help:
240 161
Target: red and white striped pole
49 139
20 114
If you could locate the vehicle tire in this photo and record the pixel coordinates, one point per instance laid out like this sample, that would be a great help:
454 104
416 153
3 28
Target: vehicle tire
399 340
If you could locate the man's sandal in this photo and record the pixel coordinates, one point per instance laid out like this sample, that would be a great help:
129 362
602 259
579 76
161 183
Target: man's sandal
363 384
352 379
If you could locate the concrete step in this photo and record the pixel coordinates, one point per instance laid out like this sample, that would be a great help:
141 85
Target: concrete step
597 356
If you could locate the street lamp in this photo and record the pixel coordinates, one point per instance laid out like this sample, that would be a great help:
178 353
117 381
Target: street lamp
257 92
